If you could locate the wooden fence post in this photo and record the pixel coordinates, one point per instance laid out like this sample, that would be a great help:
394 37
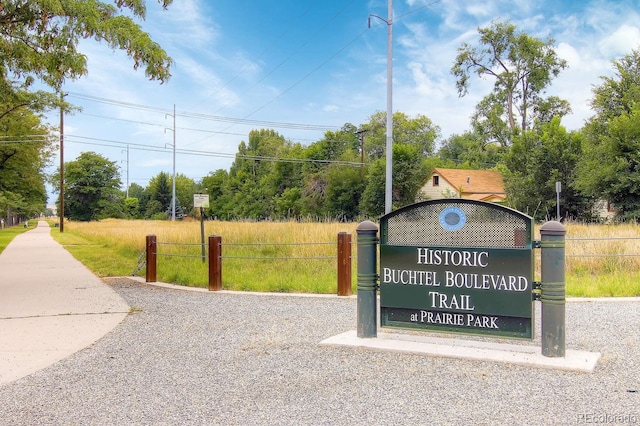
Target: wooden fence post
215 262
151 275
344 264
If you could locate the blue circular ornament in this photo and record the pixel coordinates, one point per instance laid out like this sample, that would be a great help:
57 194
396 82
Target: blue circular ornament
452 218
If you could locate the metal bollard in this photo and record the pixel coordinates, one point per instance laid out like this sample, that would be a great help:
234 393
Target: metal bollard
553 295
215 262
152 250
367 278
344 264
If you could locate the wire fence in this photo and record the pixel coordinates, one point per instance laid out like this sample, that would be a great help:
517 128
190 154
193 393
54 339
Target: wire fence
326 261
200 256
340 252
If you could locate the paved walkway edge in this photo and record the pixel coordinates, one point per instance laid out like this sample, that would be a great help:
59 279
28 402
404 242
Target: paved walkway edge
580 361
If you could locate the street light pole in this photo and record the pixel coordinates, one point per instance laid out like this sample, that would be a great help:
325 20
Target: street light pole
388 193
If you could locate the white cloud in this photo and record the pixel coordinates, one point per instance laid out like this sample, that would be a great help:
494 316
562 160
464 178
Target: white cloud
621 41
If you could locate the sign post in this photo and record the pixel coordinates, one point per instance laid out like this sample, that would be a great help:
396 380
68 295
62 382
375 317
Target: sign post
201 201
558 190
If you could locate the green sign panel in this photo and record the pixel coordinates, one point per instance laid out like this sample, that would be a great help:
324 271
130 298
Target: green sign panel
484 287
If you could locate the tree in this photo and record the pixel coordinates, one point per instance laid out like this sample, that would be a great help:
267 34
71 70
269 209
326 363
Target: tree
159 189
92 188
185 188
216 184
413 142
138 192
523 67
345 185
41 38
419 131
25 147
469 150
132 208
610 167
536 161
618 94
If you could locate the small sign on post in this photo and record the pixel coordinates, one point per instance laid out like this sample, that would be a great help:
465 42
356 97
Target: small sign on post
201 200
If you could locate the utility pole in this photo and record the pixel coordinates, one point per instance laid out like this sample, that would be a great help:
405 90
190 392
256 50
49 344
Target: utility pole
127 161
173 185
61 212
361 134
388 193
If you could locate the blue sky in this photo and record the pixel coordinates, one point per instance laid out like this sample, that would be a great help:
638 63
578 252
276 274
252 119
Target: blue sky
303 67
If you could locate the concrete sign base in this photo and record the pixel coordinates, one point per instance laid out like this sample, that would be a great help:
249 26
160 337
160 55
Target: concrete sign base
581 361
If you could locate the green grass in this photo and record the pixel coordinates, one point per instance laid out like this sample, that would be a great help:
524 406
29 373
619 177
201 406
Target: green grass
8 234
251 255
105 257
244 267
617 283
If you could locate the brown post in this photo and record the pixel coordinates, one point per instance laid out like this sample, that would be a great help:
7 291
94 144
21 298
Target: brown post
344 264
151 259
215 262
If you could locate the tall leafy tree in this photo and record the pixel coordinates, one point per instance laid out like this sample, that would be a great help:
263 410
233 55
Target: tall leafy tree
92 189
25 147
610 168
160 191
522 67
250 176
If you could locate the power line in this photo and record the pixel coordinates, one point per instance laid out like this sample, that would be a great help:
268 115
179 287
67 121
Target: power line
301 140
151 148
243 121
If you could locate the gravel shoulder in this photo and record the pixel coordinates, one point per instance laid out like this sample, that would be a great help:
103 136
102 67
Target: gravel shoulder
201 358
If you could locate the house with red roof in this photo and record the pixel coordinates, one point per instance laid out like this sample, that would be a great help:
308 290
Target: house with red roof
481 185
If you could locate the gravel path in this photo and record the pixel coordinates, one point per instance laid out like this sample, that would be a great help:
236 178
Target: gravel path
206 359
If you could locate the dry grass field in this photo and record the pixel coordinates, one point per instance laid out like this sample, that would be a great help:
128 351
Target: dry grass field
602 260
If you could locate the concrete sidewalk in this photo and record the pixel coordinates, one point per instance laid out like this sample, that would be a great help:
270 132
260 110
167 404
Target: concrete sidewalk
51 305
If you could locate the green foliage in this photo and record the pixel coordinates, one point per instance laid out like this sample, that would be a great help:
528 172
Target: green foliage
344 189
372 201
41 38
535 162
610 168
470 150
132 208
419 131
25 146
92 191
159 190
138 192
522 67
